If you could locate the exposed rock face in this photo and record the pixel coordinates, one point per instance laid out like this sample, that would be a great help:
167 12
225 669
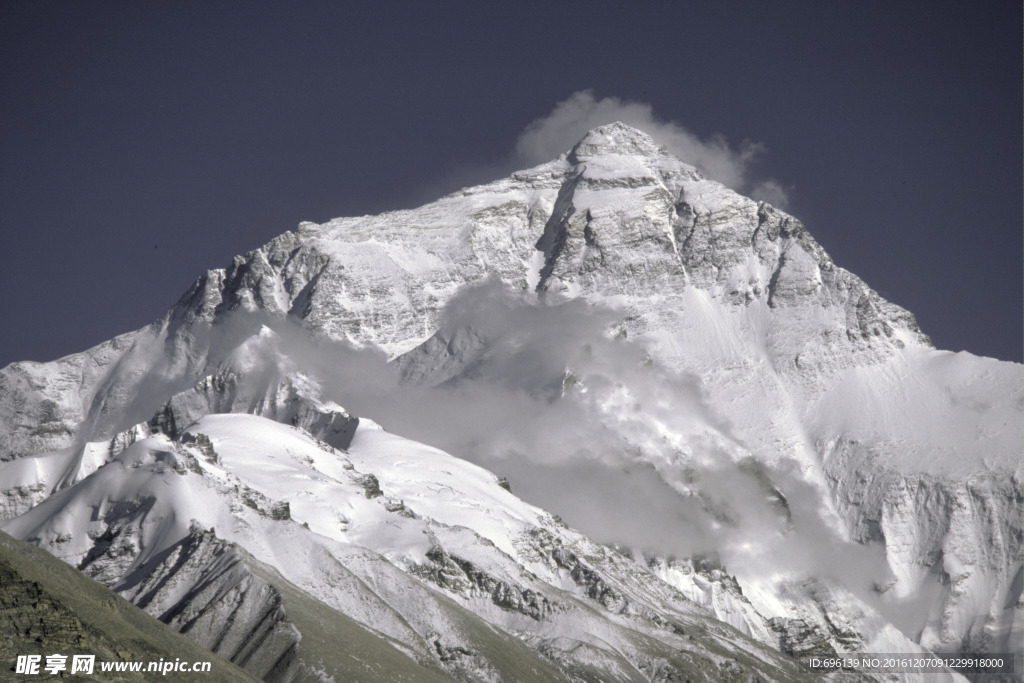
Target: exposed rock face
287 397
203 589
46 608
800 367
966 534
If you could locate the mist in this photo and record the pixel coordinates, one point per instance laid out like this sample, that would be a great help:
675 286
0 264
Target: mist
583 423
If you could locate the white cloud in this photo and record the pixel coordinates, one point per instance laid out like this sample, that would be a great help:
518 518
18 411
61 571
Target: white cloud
592 448
770 191
547 137
586 425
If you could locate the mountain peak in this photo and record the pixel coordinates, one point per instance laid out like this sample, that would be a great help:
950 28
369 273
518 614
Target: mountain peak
616 138
647 331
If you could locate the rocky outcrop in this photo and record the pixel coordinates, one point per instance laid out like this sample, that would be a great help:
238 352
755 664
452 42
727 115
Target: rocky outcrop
203 589
281 399
959 539
47 607
462 576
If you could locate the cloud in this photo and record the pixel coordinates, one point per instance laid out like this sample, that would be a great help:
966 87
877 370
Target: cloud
541 392
770 191
547 137
587 426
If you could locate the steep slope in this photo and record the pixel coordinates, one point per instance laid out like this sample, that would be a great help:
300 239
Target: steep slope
781 374
47 607
425 557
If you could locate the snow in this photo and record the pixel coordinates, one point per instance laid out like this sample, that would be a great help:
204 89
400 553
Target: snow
436 485
927 411
795 359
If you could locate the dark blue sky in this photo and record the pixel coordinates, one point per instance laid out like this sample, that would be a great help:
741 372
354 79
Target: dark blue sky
143 143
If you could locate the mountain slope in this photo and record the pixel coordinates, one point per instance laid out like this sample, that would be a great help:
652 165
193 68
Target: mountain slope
422 552
48 607
671 366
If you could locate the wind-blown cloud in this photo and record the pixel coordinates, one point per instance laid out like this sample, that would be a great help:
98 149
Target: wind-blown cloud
770 191
587 425
547 137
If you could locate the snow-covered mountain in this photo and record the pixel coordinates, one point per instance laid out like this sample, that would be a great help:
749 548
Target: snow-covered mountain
763 458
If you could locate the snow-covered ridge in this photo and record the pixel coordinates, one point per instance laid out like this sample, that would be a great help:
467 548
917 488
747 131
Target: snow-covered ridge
798 365
376 534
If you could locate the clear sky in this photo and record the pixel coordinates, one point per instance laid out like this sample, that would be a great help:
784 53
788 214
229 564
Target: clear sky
142 143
